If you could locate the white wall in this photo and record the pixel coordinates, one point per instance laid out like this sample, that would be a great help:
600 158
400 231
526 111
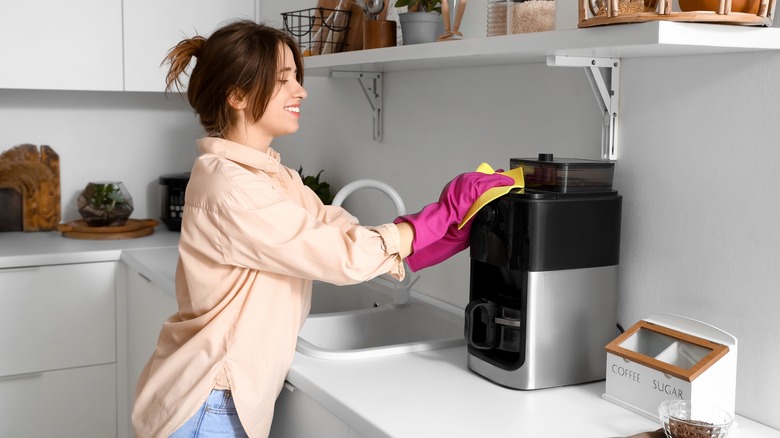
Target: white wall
104 136
697 168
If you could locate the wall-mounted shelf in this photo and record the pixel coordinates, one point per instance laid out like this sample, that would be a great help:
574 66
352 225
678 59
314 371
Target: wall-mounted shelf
660 38
638 40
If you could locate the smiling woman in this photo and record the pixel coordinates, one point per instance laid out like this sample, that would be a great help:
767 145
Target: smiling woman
254 237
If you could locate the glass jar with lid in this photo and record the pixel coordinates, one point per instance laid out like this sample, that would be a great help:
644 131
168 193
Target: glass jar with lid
524 16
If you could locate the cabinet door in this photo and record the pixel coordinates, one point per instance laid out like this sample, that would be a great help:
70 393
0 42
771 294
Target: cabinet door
148 306
61 45
56 317
152 28
298 415
77 402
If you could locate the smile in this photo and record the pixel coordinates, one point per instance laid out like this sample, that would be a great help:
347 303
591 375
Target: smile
294 109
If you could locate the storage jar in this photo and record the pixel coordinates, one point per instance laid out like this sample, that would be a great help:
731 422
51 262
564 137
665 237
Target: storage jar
530 16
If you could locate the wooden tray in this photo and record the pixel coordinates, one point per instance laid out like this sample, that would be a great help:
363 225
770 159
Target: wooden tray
664 12
130 230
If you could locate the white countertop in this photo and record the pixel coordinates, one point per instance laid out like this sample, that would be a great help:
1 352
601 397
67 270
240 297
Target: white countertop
424 394
433 394
20 249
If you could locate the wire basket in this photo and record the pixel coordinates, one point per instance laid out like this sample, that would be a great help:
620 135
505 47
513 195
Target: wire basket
318 31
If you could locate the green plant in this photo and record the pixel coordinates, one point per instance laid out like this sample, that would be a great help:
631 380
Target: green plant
420 5
320 188
105 204
105 197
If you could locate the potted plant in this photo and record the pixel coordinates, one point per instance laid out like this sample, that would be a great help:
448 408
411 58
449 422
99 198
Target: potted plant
422 21
105 204
321 188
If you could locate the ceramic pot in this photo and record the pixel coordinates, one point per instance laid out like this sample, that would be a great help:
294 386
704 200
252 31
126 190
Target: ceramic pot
379 33
105 204
420 27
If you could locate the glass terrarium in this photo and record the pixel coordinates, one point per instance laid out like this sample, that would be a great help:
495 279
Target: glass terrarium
105 204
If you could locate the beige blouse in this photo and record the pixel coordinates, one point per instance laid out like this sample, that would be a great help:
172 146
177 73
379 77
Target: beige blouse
253 238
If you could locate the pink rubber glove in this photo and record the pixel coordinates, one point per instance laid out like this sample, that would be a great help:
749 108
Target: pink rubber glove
453 242
433 222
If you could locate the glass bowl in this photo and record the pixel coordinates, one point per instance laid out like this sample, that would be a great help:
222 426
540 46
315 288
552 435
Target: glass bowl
687 419
105 204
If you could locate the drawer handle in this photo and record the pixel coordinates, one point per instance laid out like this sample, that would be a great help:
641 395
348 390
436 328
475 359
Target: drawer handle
21 376
24 269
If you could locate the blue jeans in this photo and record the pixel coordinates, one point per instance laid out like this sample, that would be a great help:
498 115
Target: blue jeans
216 418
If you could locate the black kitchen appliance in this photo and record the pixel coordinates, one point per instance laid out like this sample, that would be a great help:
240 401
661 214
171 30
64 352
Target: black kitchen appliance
172 188
543 292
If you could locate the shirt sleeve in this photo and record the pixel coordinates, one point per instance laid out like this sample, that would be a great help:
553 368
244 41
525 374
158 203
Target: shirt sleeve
261 228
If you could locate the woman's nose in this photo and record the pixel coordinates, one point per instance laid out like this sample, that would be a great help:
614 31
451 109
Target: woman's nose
301 93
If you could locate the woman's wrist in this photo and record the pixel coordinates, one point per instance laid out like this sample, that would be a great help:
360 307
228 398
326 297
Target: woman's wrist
406 237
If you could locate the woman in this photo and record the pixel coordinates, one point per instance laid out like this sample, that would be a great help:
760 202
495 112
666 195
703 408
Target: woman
254 237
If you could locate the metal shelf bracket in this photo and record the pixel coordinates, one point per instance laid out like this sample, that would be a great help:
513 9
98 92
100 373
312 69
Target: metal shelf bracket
604 77
371 82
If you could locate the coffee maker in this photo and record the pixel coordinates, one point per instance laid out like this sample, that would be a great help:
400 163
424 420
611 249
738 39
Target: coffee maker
543 288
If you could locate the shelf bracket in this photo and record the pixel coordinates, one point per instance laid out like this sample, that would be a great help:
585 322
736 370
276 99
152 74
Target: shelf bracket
604 77
371 82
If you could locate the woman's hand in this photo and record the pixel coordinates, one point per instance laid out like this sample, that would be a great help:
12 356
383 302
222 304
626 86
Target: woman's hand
436 225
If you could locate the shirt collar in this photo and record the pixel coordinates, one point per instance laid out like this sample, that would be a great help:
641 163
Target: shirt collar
269 161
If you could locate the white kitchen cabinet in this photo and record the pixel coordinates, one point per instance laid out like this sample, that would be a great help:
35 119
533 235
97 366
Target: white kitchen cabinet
298 415
62 45
148 306
57 334
152 28
77 402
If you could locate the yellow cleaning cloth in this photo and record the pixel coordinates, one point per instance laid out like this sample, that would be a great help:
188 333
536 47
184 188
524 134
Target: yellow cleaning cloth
494 193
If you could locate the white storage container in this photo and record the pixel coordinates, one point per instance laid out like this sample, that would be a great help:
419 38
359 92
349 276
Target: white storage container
668 357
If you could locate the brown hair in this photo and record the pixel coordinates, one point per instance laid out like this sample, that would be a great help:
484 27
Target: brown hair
241 59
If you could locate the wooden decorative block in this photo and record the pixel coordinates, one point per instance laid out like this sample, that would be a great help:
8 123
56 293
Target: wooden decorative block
30 185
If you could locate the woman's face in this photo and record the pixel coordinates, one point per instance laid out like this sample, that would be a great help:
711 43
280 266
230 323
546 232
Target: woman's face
280 116
283 111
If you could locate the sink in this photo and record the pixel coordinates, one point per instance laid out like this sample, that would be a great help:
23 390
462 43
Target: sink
382 330
328 298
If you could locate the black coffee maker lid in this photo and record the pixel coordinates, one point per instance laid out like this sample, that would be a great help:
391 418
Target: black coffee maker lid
565 175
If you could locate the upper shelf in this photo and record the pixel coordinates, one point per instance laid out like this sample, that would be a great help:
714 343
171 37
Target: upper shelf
659 38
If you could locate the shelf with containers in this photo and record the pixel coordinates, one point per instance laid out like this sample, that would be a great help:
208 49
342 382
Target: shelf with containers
598 50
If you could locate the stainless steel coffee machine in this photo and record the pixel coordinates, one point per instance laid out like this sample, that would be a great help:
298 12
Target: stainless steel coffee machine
543 292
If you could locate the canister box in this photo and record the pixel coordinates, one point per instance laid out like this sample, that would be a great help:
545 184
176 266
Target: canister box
667 357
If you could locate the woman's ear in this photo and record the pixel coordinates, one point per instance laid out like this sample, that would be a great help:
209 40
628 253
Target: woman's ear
237 101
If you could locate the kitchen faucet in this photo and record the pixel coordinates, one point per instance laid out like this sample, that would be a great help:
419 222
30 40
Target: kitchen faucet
402 291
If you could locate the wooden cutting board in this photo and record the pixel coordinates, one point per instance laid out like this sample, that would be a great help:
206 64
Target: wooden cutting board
130 230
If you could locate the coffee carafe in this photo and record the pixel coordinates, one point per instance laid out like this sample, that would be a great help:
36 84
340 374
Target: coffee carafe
543 287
